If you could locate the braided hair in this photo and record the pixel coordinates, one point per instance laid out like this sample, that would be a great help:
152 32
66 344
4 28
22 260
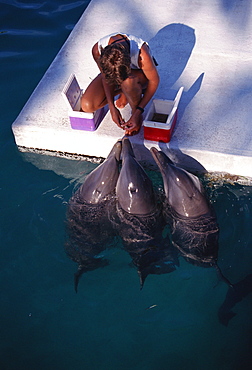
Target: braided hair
115 63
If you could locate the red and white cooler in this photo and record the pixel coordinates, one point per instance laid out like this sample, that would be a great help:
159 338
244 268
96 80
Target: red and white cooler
161 118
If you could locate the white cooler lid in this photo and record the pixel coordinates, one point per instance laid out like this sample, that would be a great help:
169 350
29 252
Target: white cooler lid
72 93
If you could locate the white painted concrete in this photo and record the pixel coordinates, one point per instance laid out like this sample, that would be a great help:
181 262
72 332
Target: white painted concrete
203 45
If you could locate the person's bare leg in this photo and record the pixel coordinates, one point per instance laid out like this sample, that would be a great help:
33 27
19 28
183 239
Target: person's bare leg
94 96
121 101
133 86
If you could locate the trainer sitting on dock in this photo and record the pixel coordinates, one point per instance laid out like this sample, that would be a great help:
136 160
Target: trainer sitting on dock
128 69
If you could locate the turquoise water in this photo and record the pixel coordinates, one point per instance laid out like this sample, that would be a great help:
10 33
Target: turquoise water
109 324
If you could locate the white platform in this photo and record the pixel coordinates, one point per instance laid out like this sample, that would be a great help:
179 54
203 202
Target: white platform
205 46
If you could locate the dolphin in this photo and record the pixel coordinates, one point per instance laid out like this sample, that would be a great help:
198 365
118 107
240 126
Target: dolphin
184 191
88 226
140 219
193 222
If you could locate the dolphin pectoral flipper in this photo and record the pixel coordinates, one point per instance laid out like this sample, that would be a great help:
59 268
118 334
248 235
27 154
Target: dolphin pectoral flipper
91 264
155 268
77 276
142 276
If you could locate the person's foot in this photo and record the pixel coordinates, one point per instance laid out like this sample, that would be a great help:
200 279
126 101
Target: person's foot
121 101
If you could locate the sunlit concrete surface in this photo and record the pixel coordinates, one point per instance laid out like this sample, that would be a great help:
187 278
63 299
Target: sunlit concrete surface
203 45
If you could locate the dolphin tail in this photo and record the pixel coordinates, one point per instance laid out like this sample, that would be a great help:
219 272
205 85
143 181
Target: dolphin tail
222 277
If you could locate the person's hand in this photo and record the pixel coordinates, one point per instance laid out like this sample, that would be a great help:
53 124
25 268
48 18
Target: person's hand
133 125
117 117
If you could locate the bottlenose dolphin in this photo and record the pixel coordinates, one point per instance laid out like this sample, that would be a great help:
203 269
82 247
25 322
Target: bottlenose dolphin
186 208
140 220
88 225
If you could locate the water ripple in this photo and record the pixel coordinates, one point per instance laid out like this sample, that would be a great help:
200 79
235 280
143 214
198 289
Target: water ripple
8 54
19 4
66 7
21 32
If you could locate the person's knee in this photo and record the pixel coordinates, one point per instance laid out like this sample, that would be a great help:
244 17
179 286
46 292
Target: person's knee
87 105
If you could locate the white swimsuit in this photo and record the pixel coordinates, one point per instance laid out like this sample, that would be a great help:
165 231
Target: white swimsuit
135 45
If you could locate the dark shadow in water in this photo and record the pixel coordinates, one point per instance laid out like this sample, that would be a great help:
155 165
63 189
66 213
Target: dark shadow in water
236 294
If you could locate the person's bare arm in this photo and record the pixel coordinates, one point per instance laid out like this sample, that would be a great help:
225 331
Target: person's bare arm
150 71
109 90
